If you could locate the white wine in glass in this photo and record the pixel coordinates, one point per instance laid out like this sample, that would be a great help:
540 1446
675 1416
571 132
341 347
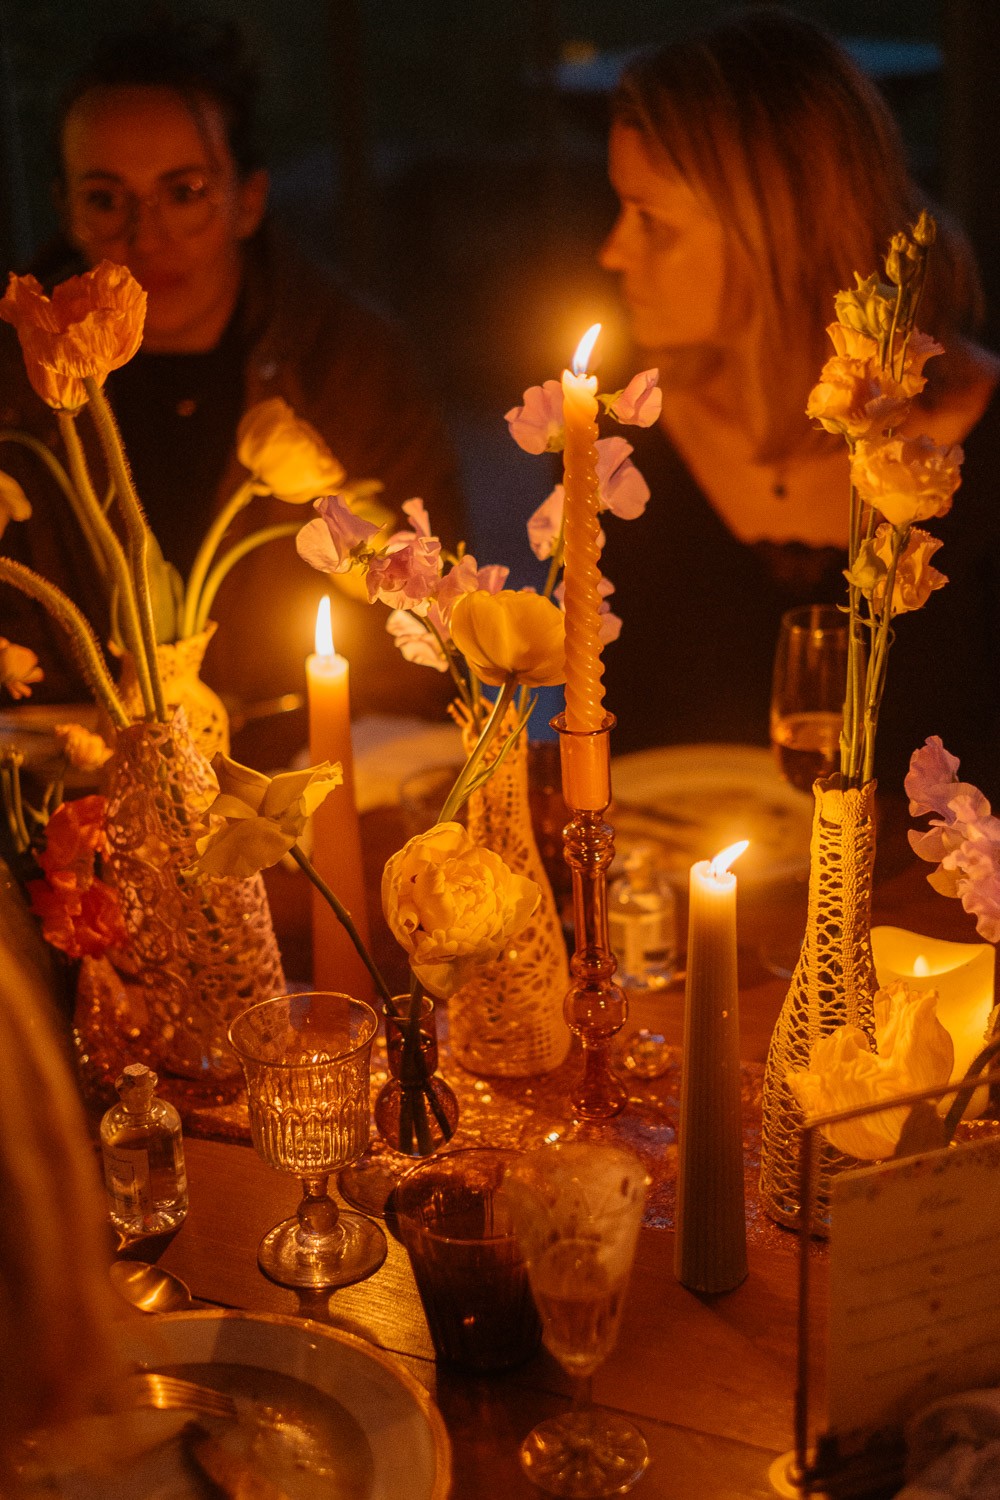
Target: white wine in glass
807 693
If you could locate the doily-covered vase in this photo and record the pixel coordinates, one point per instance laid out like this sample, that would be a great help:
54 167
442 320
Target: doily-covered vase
507 1021
180 673
833 984
201 948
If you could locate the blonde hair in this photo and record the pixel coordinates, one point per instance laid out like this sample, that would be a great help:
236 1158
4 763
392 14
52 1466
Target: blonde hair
56 1303
770 122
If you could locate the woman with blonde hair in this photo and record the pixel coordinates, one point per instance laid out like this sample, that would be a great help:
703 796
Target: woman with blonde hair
757 170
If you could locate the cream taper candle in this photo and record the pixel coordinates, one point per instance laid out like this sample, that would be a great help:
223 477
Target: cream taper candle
336 851
710 1252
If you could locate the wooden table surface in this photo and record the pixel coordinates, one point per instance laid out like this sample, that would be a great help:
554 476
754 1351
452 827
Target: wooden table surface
709 1379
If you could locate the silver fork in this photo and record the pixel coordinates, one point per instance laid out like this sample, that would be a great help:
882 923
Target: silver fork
170 1393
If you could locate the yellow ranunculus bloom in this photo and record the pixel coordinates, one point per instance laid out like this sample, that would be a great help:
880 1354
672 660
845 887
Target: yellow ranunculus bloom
511 635
84 750
90 325
452 905
286 454
256 819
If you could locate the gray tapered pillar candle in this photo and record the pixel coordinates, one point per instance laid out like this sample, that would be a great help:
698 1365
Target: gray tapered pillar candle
710 1249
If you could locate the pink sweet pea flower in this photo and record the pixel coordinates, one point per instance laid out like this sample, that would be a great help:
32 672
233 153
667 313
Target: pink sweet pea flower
416 641
461 579
492 578
408 573
964 838
640 403
546 523
622 488
329 542
537 426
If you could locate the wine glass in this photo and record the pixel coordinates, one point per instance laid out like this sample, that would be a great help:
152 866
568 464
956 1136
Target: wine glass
807 706
577 1208
807 692
306 1060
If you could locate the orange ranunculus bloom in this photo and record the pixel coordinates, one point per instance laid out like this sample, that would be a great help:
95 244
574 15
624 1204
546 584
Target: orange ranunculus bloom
90 325
73 833
18 668
81 917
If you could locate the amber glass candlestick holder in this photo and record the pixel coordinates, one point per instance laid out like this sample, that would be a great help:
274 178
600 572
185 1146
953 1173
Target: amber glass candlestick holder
595 1006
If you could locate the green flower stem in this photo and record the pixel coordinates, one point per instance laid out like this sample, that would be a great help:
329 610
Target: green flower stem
556 562
138 531
463 784
10 786
412 1074
222 567
344 918
62 479
879 661
238 501
461 685
113 553
81 638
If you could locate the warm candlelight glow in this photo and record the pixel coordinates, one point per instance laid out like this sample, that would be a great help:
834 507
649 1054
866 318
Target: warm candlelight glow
921 968
719 866
584 349
324 628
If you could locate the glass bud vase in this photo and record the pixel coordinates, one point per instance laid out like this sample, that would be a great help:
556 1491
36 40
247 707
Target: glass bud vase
833 984
394 1112
201 948
507 1021
180 673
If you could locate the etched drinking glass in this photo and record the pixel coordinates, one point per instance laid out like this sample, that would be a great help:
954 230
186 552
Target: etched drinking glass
306 1059
577 1209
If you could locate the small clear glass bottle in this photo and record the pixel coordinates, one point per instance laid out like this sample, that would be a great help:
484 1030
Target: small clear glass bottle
642 922
143 1153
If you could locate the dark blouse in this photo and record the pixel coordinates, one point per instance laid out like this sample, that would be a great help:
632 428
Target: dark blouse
701 613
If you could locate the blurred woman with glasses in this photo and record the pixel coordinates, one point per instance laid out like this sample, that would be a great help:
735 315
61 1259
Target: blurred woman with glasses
160 171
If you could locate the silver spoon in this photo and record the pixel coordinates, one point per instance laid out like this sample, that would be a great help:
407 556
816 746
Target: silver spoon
149 1288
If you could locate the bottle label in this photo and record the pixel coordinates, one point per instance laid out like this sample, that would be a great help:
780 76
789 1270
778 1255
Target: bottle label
126 1173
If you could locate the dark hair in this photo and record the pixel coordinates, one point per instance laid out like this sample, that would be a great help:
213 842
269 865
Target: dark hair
768 119
197 59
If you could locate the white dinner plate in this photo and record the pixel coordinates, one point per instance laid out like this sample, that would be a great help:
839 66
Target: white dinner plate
321 1413
691 801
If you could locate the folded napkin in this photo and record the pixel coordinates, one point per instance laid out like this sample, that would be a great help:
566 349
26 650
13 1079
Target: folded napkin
953 1449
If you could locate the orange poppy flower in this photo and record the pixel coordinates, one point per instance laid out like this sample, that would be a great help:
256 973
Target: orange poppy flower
90 325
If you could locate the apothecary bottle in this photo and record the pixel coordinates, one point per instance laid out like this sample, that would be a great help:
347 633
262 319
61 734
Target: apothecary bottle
642 923
143 1153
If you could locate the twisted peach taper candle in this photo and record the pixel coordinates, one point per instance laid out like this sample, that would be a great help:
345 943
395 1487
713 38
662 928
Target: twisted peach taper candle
581 597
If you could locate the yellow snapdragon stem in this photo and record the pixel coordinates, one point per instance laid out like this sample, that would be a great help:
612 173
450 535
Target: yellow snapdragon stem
238 501
113 553
466 776
138 531
82 639
222 567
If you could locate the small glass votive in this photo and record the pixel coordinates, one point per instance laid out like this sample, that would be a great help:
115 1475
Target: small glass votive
455 1222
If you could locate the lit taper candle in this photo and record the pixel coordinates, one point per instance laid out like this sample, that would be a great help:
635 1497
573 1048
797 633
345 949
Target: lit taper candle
582 576
710 1252
336 850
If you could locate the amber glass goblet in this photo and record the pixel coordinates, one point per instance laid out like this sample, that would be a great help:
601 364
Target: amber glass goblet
306 1059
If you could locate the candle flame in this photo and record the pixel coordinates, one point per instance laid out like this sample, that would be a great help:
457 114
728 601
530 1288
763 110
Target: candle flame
585 349
921 968
720 864
324 629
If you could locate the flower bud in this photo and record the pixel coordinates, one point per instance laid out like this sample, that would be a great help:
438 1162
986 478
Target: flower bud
925 230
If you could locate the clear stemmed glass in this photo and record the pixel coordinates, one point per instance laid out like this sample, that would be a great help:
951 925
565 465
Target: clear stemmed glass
577 1208
306 1060
807 705
807 692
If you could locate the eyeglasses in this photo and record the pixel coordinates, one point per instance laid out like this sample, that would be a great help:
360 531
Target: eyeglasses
186 205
